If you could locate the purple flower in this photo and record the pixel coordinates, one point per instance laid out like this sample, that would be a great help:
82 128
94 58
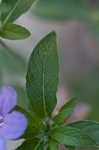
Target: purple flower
12 124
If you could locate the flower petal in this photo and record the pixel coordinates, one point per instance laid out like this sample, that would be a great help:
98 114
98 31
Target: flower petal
2 144
14 126
8 99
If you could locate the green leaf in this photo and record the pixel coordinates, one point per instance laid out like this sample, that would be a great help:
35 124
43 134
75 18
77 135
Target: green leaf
52 145
17 8
71 136
61 9
65 111
91 128
42 76
14 32
31 144
23 101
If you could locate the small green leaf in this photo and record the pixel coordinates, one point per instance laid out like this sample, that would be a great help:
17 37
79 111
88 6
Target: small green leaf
42 76
52 145
91 128
65 111
14 32
17 8
31 144
72 137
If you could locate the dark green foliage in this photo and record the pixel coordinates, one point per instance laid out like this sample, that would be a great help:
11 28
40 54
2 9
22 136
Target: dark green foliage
71 136
89 127
45 132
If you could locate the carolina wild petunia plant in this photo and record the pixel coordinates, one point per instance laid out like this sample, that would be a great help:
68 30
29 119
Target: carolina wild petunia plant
44 131
34 121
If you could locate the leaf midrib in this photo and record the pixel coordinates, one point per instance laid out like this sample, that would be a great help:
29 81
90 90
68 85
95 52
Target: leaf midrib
44 100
